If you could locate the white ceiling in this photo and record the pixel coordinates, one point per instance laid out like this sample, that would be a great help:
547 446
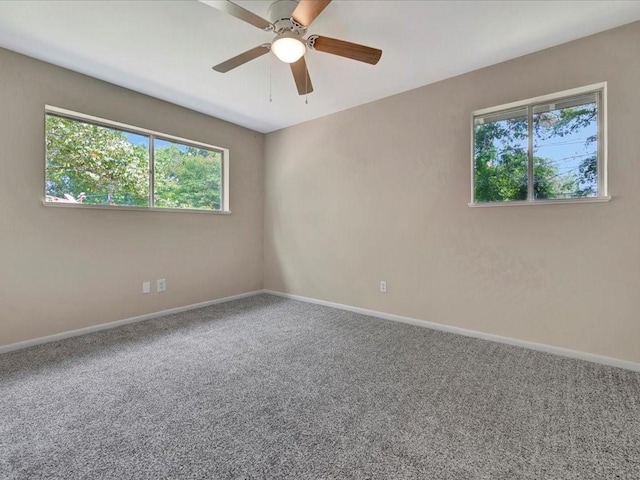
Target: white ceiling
166 48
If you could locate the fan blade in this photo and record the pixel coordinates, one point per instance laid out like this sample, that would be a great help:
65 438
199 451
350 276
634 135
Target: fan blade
301 76
307 11
241 59
345 49
239 12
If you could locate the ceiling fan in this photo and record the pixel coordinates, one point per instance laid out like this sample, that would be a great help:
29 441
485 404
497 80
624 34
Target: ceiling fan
289 20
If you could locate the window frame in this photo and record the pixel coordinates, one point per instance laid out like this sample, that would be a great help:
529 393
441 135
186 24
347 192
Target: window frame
603 192
152 135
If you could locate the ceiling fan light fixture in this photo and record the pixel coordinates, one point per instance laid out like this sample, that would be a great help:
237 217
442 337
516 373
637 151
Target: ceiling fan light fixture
288 47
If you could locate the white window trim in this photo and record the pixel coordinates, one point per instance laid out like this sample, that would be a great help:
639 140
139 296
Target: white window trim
603 189
225 209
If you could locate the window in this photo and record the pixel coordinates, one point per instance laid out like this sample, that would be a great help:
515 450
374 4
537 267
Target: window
186 176
546 149
92 161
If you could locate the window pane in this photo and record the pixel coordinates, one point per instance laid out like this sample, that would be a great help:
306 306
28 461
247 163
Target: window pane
95 165
500 156
187 176
565 148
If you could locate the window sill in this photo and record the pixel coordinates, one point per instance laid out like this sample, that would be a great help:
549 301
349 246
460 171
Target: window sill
134 209
541 202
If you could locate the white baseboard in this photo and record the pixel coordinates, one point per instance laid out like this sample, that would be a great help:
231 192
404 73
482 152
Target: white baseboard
613 362
118 323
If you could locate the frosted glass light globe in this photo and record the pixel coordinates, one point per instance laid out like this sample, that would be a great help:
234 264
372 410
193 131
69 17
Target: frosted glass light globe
288 48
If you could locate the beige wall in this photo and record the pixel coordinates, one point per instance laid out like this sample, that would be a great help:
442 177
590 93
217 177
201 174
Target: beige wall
380 192
63 269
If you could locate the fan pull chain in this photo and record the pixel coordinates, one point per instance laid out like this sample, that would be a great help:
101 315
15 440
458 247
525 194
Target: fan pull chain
306 86
270 97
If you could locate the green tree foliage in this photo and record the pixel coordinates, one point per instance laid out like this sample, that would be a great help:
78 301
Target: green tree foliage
501 161
567 121
95 163
187 177
501 157
100 165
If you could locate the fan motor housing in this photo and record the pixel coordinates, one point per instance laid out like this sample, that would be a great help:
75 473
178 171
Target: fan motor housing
279 14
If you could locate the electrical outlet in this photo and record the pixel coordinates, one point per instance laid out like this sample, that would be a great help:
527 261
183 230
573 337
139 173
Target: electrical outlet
161 285
383 286
146 287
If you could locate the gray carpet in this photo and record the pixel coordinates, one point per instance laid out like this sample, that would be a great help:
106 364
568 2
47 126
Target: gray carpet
268 388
